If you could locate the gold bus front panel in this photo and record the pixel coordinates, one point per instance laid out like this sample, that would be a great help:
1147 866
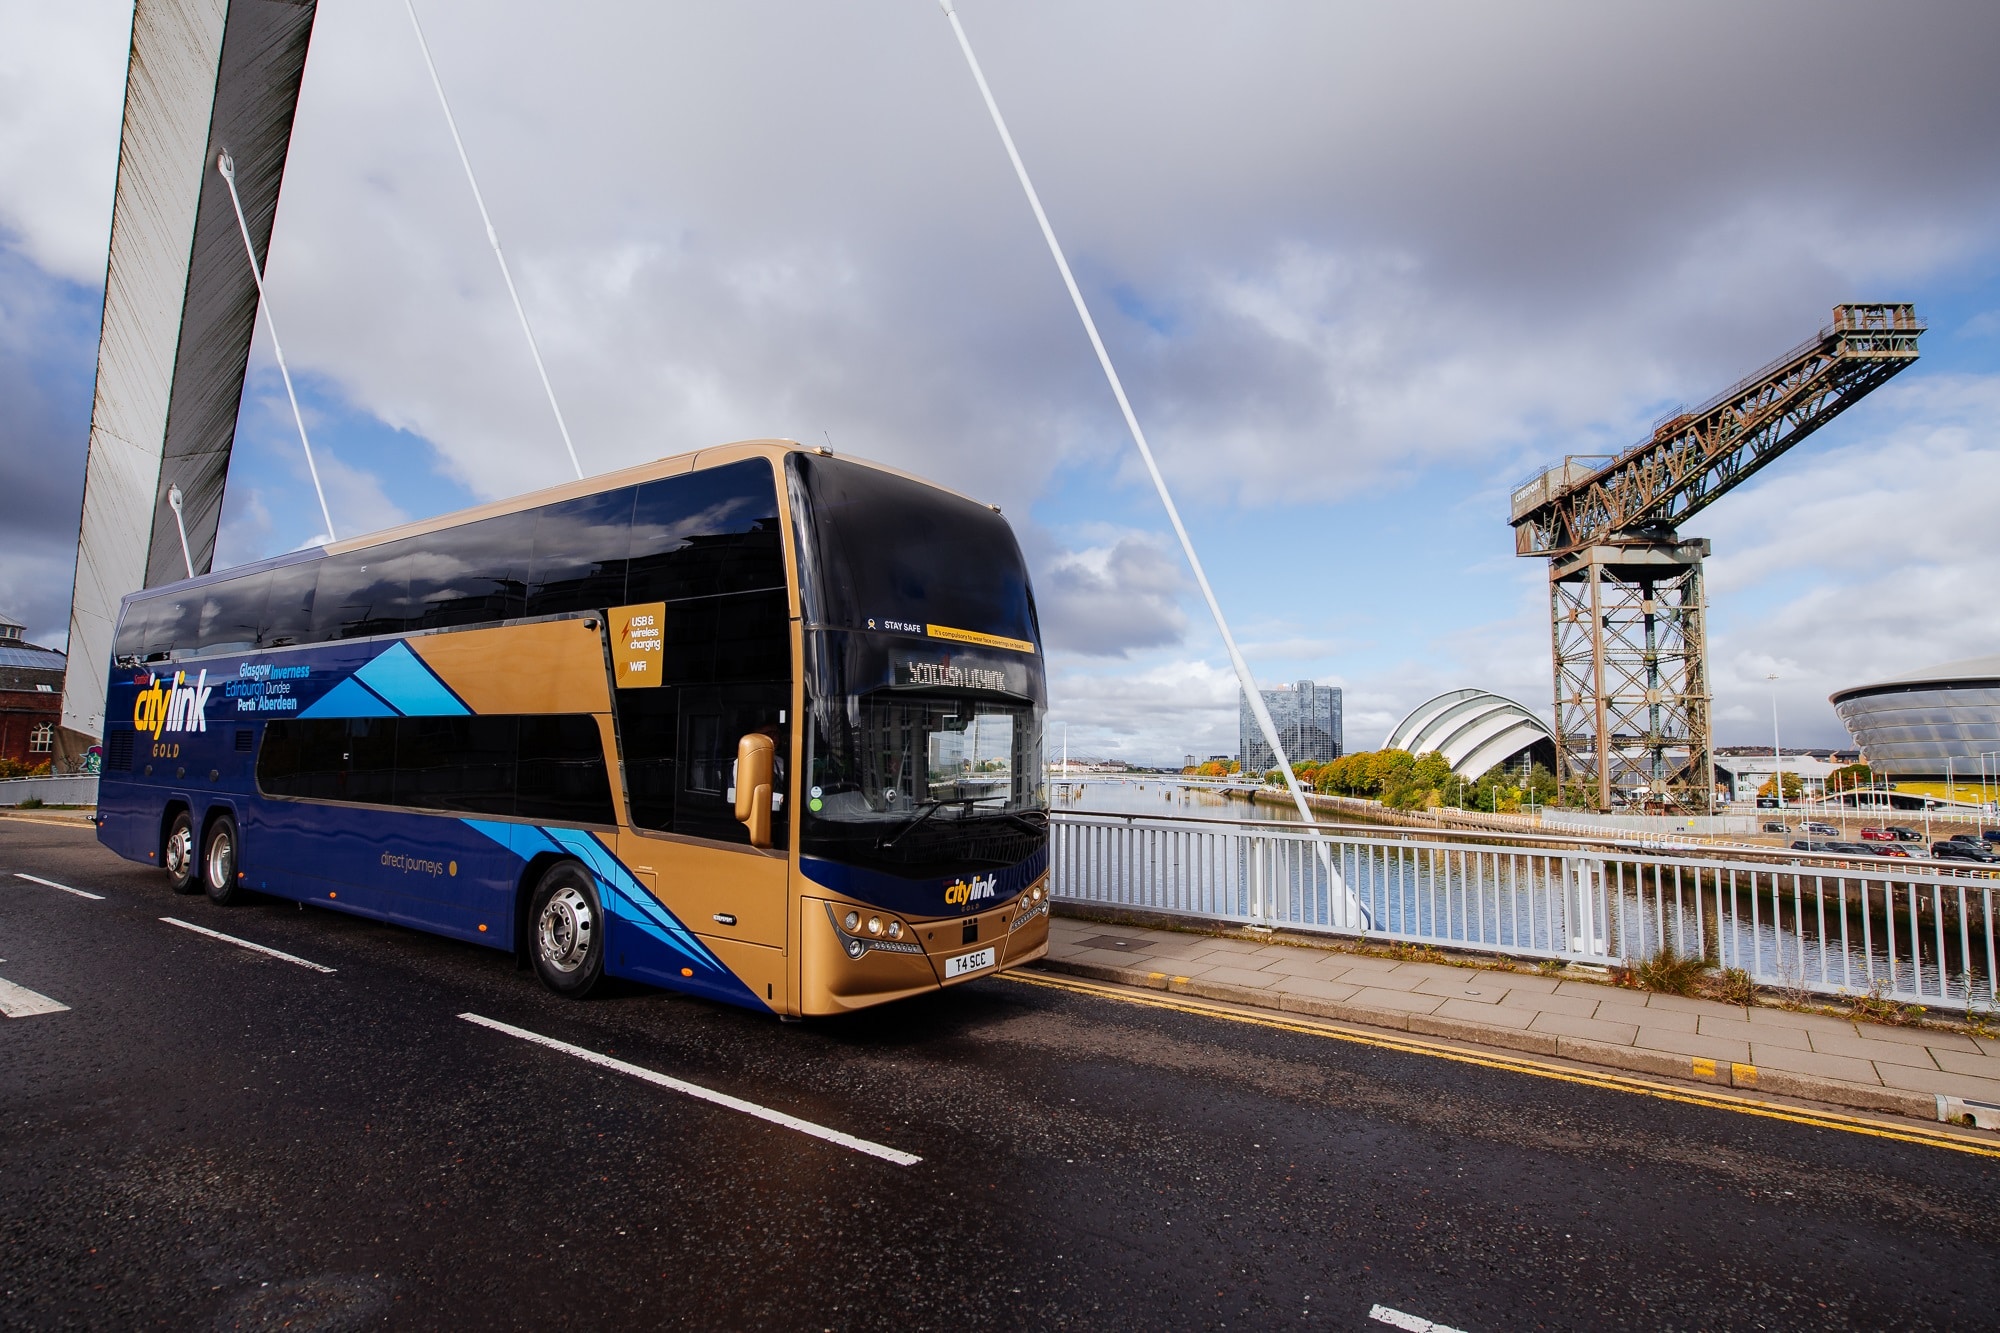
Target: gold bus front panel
832 982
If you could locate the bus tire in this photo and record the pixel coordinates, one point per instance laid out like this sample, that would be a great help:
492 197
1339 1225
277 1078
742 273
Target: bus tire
178 856
566 930
219 855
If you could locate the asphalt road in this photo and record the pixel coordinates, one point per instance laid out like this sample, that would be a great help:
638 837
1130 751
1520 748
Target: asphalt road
213 1138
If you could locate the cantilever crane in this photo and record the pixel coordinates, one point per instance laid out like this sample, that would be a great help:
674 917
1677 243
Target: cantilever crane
1625 589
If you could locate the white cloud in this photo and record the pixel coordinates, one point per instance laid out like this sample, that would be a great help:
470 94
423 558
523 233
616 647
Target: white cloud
358 499
1106 601
1152 715
62 81
249 536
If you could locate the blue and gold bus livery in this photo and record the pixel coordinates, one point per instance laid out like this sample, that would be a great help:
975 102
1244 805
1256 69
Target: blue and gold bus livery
758 724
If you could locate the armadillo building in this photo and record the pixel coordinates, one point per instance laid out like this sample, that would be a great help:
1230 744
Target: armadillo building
1927 724
1474 731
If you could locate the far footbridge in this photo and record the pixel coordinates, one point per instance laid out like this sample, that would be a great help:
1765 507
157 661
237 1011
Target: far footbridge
1912 931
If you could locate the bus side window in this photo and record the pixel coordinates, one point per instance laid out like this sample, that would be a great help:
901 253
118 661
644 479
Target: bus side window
753 637
563 777
713 719
129 648
172 628
538 766
580 550
371 760
648 729
303 757
288 605
706 532
231 612
708 759
456 763
709 545
364 593
473 575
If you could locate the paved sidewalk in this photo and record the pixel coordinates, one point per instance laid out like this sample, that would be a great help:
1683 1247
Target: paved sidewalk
1864 1065
78 818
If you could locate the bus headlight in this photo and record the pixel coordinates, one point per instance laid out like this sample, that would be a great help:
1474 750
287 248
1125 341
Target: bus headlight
883 933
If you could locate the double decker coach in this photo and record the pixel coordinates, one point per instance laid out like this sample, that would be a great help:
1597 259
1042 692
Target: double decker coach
756 723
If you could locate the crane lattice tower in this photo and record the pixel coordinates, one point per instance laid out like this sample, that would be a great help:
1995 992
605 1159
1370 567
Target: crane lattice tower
1626 598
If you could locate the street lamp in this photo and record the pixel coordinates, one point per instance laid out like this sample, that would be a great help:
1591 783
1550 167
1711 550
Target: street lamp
1777 761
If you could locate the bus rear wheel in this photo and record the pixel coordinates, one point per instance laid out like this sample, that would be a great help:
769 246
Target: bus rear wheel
566 930
218 863
178 855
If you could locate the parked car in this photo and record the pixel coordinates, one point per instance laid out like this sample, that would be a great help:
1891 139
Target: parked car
1877 835
1961 851
1812 845
1890 849
1824 830
1773 826
1991 835
1905 834
1973 838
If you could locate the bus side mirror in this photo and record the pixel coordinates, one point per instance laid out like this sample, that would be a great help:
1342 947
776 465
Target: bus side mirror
755 757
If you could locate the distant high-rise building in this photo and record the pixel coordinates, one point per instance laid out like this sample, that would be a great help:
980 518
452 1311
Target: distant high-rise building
1308 720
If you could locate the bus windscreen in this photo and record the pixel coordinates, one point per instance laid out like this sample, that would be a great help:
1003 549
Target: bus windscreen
890 554
924 677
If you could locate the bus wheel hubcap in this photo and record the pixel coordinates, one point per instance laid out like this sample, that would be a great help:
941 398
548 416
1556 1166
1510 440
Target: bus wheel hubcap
566 929
180 851
221 856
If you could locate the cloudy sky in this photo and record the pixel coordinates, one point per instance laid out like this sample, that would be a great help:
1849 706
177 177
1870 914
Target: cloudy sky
1363 269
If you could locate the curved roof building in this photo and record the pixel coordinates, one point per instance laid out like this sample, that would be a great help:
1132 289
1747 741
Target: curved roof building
1911 725
1473 730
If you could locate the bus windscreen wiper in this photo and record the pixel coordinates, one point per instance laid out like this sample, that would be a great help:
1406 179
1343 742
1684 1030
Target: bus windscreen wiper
930 808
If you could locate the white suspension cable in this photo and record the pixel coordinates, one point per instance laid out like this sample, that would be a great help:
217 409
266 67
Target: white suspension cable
1251 693
227 166
493 238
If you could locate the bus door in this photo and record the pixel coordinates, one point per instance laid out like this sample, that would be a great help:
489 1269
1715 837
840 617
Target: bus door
685 844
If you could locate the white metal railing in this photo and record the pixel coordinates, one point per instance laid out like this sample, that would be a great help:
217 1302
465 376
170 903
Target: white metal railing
1914 934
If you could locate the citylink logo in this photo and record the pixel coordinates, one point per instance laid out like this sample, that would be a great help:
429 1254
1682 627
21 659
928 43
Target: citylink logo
964 892
176 707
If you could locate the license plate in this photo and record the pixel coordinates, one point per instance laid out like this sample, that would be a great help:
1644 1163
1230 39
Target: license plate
967 962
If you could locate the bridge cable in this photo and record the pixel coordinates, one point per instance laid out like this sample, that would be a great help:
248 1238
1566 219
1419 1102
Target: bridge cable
227 167
1251 693
493 239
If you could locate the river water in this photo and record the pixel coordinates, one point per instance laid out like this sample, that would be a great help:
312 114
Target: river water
1831 931
1167 798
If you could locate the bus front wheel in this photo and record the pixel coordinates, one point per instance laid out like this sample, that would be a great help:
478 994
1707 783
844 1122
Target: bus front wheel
567 930
218 863
178 854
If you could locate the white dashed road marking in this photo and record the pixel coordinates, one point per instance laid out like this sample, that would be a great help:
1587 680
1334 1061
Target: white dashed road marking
1415 1323
703 1094
20 1002
245 944
37 879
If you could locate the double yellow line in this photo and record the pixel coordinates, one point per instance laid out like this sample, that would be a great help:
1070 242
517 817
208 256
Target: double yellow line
1666 1092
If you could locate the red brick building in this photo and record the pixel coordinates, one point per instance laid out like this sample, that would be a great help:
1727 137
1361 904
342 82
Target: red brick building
31 680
